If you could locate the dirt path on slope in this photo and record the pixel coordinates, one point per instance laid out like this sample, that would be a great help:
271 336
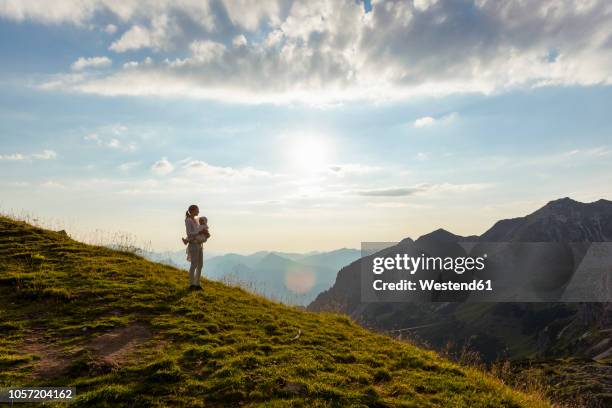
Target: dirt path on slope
109 350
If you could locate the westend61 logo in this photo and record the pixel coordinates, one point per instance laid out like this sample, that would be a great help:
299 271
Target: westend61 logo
443 271
404 262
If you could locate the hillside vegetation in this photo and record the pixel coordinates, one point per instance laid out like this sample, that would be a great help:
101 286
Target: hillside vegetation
124 330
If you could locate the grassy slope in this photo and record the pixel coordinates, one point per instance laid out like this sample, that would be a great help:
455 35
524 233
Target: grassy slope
221 346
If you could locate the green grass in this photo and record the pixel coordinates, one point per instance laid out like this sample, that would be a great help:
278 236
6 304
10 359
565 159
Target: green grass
217 347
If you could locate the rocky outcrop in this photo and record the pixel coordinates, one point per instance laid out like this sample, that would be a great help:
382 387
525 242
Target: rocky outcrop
516 329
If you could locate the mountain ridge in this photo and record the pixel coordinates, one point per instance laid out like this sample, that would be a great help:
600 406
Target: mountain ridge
504 330
291 278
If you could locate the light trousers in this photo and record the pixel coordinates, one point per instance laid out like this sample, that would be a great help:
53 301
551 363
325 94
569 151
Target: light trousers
197 262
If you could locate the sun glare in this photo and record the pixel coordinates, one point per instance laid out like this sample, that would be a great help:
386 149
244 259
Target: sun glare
309 153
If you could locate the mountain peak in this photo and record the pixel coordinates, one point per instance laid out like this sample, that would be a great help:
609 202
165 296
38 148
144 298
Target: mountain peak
563 202
441 235
568 205
273 261
561 220
569 202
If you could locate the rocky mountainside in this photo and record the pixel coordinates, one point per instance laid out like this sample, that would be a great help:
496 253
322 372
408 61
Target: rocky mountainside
563 220
496 330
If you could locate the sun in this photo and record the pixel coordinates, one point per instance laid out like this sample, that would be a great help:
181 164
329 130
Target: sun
309 153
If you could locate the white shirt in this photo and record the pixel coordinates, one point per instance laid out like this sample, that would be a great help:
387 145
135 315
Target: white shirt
192 227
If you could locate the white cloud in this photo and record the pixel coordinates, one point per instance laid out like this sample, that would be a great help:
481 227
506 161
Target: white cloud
257 12
326 51
239 41
135 64
118 129
424 121
554 159
92 137
110 29
119 145
129 166
201 168
162 167
12 157
114 144
206 51
113 137
423 5
93 62
136 37
44 155
157 37
76 12
594 152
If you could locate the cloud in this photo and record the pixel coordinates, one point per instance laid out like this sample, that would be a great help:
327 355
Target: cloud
134 64
128 166
554 159
424 121
62 11
162 167
44 155
594 152
352 169
53 184
239 41
115 143
204 169
16 184
325 50
390 192
113 137
12 157
203 52
93 62
421 189
110 29
156 37
92 137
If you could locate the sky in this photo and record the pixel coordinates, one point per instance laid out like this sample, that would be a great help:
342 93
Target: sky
301 126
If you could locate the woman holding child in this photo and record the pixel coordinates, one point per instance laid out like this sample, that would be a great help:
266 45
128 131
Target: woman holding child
197 234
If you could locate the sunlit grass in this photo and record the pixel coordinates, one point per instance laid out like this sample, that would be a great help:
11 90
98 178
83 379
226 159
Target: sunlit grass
220 346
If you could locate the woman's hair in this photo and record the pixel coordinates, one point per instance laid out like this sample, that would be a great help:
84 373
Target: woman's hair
190 209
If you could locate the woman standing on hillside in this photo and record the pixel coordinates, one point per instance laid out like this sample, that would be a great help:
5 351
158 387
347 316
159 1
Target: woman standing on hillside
194 249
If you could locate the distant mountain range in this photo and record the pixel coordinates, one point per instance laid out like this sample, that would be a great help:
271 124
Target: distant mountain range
496 330
288 277
291 278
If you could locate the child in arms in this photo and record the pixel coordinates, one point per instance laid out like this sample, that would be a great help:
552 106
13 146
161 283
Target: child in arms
202 236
